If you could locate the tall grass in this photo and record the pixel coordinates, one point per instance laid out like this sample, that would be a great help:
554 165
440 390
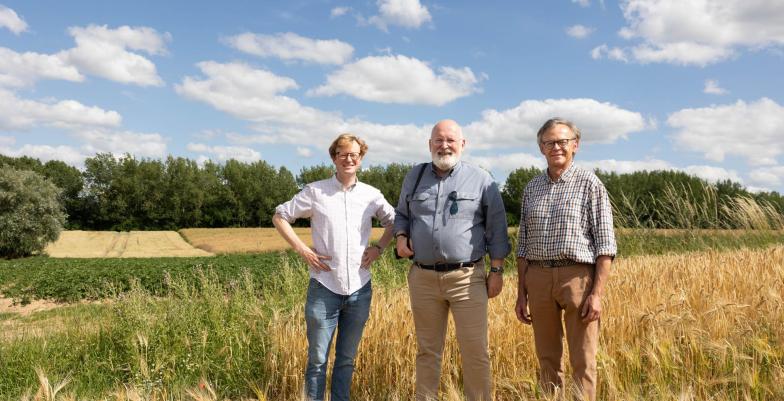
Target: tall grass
702 326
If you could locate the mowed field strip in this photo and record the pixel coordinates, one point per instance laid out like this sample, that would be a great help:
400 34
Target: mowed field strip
113 244
248 240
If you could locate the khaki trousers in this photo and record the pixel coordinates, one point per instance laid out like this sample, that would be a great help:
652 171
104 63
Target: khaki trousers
433 295
555 293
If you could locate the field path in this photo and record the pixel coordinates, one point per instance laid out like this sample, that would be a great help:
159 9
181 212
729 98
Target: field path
112 244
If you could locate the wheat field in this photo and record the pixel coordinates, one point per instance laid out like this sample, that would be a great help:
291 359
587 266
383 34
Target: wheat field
247 240
113 244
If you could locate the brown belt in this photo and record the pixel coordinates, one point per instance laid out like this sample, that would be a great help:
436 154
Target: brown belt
553 263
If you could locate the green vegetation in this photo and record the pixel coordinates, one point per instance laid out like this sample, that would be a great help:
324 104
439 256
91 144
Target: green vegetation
68 280
30 214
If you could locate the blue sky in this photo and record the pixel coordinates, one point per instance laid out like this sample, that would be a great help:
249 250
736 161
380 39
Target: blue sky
690 85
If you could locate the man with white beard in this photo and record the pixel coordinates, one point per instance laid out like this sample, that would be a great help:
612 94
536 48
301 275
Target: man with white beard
449 216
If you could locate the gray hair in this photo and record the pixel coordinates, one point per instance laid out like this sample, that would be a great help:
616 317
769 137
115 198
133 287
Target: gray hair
552 123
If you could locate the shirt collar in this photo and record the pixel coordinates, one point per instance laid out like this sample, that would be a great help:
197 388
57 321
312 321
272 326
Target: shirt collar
339 185
453 171
565 176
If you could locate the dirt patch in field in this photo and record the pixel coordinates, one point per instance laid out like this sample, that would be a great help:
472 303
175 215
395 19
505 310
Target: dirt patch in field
113 244
7 305
247 240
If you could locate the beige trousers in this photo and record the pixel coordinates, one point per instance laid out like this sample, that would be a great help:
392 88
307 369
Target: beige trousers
433 295
556 293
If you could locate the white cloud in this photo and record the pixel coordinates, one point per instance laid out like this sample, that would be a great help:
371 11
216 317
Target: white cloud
24 69
405 13
304 152
700 32
104 52
45 153
339 11
712 87
224 153
750 130
614 53
10 20
582 3
713 174
399 79
290 46
120 142
506 163
624 166
579 31
767 177
16 114
599 122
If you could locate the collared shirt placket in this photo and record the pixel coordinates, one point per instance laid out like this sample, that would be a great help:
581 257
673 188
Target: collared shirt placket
437 236
346 221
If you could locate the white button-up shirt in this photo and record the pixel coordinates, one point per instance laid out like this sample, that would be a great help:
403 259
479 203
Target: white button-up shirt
340 225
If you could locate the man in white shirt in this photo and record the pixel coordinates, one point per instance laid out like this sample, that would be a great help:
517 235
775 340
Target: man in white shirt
340 210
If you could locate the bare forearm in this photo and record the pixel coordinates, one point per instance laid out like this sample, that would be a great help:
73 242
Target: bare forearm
601 275
386 237
522 268
287 232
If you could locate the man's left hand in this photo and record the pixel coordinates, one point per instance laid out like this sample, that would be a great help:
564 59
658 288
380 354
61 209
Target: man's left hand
495 283
592 308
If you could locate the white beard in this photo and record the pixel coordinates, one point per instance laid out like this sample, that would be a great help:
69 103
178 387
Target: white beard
445 162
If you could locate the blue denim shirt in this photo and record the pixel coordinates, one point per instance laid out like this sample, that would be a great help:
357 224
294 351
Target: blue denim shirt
477 227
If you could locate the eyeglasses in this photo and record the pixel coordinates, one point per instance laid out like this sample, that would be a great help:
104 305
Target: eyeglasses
346 156
453 197
560 142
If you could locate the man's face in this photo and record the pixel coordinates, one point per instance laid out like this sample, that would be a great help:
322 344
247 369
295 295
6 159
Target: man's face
446 145
558 145
347 160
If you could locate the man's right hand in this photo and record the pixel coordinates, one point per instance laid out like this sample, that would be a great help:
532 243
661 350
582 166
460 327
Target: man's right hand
521 309
314 260
402 247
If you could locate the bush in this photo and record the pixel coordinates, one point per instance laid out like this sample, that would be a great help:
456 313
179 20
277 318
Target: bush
30 213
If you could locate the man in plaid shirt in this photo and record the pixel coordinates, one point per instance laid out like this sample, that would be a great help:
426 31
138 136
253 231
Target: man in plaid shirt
566 245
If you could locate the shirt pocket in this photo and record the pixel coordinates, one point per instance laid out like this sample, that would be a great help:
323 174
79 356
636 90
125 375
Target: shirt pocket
421 203
467 206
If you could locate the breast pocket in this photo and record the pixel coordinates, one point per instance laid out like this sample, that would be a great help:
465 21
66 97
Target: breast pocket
465 205
421 203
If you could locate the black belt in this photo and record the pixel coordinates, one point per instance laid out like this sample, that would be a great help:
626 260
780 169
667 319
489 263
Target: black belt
553 263
447 267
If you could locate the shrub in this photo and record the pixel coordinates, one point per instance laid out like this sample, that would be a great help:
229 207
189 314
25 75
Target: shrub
30 213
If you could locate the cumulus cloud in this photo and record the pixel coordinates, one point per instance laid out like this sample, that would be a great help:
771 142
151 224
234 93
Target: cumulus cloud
45 153
22 114
750 130
304 152
712 87
612 53
582 3
119 142
767 177
108 53
11 21
599 122
399 79
24 69
224 153
713 174
506 163
7 140
290 46
405 13
339 11
699 32
579 31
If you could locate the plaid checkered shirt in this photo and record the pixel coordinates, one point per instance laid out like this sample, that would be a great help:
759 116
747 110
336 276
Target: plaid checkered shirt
570 218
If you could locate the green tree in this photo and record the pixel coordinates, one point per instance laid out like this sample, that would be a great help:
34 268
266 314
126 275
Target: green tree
512 193
314 173
388 179
30 213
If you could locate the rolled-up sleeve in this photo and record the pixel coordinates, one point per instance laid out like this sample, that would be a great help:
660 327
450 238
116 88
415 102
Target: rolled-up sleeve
496 229
300 206
602 222
385 213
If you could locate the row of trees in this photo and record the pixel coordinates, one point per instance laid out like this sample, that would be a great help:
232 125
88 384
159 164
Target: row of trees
126 193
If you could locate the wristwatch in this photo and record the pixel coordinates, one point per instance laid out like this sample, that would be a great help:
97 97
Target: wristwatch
499 269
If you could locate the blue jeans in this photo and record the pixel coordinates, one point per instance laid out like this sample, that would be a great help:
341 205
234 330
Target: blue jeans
324 312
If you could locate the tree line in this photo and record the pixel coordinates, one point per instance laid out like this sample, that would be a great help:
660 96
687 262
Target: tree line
126 193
